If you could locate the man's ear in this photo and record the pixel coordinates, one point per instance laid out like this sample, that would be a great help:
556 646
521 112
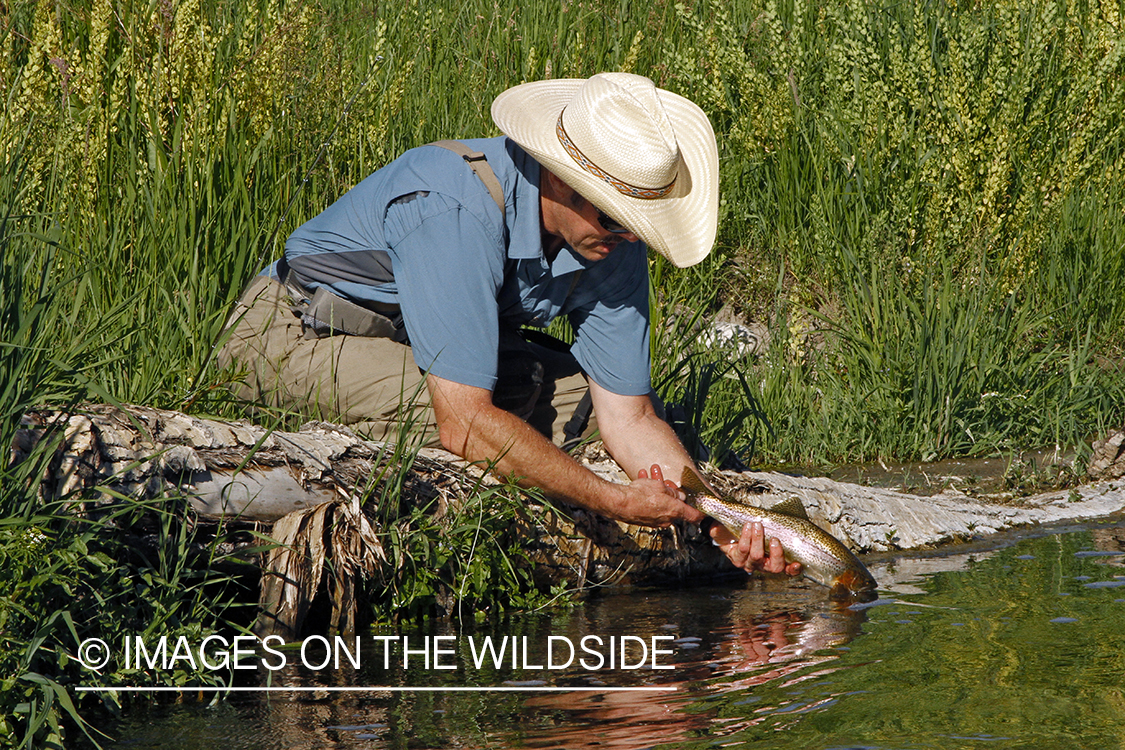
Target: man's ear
556 188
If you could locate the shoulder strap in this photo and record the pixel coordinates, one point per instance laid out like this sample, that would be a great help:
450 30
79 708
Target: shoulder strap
479 164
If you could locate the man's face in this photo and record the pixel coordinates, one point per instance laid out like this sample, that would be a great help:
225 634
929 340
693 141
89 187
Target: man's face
571 219
593 241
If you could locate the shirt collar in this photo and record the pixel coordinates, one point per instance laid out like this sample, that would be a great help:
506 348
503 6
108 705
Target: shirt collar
525 237
567 261
525 241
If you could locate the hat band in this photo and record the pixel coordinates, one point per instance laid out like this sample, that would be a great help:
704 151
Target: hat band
621 186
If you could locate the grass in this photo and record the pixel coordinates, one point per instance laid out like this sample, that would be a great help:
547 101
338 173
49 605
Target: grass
921 201
953 370
861 148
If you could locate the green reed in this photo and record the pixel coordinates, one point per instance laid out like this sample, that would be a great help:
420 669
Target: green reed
64 578
928 187
951 371
176 150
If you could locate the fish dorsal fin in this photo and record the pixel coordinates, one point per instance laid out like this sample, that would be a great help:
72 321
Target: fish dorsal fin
791 506
691 484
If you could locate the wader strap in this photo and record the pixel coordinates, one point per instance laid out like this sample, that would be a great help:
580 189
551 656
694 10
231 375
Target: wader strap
479 164
576 425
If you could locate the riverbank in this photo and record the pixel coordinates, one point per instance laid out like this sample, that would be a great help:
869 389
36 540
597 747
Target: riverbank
151 502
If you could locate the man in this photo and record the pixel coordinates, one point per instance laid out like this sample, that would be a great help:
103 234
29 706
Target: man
429 270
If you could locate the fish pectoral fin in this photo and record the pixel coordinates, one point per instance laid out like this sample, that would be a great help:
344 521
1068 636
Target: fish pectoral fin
791 506
691 484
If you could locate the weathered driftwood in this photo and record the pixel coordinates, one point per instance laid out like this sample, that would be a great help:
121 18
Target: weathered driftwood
305 483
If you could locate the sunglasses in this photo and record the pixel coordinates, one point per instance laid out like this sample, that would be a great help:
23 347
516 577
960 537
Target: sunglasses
611 225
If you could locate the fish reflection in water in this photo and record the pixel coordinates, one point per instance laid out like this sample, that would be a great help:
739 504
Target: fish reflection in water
755 647
747 639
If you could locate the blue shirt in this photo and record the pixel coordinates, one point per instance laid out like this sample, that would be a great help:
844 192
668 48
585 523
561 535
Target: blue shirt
424 233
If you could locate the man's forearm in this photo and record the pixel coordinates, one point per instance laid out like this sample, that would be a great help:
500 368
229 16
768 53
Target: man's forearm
473 428
636 446
636 436
516 449
476 430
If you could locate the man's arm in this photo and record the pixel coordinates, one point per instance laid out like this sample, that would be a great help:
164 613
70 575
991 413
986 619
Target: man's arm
636 436
644 445
473 428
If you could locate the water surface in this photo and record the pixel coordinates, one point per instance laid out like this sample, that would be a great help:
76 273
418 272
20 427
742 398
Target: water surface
1022 646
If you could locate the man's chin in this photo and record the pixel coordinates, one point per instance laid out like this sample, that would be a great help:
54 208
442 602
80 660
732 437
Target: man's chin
605 248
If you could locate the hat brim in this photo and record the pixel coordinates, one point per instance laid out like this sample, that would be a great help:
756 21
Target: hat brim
682 225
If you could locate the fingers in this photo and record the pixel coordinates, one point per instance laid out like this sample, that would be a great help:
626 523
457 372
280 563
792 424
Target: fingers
648 501
656 473
757 540
752 550
775 563
650 505
741 549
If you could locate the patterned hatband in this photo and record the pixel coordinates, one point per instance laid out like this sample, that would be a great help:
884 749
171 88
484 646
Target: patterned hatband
622 187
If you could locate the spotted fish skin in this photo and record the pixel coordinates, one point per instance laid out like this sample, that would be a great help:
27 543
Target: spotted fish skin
824 558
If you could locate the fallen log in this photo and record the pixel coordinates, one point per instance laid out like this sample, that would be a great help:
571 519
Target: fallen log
306 484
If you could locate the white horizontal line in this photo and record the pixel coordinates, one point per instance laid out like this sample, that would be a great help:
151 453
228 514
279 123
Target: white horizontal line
374 689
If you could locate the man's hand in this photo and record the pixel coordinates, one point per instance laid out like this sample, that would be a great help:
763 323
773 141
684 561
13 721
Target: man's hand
655 502
747 552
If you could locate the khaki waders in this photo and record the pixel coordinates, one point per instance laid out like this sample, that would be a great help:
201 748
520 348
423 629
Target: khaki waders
371 382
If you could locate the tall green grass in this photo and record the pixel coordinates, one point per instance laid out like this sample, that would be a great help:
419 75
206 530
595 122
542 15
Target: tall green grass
64 578
957 369
923 199
176 148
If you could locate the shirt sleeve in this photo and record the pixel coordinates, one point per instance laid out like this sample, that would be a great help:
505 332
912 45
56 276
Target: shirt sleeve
448 268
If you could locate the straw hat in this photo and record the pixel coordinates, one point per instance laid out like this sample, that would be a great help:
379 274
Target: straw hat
644 156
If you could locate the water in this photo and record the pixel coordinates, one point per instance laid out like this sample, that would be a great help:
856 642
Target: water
1029 472
1016 647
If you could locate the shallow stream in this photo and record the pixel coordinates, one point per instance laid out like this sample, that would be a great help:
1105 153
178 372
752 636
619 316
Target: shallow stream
1017 645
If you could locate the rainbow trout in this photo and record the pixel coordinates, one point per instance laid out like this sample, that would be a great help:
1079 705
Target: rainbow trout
824 559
